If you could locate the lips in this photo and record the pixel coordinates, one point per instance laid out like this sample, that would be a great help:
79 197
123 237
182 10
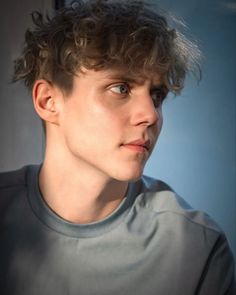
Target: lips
138 145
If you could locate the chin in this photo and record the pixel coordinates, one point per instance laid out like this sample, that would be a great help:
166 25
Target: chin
130 175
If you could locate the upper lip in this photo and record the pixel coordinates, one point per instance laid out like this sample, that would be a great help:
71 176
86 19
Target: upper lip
140 142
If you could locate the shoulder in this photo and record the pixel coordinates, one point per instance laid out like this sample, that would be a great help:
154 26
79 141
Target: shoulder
13 179
12 184
185 232
160 199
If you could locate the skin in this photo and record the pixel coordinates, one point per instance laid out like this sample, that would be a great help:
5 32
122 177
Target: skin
98 138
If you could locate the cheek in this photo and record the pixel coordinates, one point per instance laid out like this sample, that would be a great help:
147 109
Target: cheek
106 121
159 122
93 124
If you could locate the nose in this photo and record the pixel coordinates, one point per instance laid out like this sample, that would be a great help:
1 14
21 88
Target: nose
144 111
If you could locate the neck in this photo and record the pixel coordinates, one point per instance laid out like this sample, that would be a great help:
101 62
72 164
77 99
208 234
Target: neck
76 192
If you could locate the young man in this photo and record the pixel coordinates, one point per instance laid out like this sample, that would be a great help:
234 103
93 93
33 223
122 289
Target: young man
86 221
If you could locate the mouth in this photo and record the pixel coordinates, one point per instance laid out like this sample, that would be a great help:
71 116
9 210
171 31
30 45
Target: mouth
138 145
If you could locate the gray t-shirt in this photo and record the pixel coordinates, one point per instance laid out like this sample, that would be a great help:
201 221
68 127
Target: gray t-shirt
153 243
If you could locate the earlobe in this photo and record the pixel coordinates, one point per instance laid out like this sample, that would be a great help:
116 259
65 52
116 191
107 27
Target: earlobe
44 99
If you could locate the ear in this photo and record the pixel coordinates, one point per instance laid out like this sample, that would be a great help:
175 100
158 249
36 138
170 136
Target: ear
45 99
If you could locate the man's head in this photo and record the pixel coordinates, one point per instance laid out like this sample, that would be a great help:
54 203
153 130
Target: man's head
114 61
100 34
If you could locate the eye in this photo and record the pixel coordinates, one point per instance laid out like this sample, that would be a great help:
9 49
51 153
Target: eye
120 89
158 95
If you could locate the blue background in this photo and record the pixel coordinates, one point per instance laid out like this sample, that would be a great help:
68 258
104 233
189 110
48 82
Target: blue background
196 152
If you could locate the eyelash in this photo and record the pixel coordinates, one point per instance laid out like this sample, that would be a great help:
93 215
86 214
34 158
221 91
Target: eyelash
124 85
160 93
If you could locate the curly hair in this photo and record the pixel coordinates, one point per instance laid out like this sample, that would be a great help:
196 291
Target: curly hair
97 34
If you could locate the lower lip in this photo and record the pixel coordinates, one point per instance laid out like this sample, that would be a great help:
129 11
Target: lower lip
135 148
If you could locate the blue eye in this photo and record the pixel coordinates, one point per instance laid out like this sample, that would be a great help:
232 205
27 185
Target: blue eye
120 89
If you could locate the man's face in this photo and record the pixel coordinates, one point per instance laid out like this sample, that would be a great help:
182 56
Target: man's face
110 122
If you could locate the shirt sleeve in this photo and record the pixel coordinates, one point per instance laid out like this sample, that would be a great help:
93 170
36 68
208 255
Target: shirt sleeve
218 277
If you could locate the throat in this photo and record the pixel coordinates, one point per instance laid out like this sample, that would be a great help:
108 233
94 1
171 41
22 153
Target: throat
78 201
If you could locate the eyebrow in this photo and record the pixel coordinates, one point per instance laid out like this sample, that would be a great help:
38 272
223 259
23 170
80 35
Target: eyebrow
134 80
123 77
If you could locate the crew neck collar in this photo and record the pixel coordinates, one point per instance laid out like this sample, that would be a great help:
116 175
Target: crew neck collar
58 224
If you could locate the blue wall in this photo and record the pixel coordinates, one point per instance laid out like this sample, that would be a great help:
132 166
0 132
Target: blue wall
196 152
